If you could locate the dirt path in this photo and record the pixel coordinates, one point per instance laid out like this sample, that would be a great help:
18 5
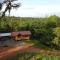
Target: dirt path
12 51
27 48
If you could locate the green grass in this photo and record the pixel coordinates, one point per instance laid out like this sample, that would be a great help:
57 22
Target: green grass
34 56
38 44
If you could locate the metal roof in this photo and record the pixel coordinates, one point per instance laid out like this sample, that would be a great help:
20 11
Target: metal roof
15 33
5 34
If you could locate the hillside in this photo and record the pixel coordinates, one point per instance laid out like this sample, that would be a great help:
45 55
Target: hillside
45 30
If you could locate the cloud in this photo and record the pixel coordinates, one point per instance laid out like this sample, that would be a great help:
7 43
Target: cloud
36 11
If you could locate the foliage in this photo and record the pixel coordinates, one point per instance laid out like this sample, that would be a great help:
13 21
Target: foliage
45 30
56 40
34 56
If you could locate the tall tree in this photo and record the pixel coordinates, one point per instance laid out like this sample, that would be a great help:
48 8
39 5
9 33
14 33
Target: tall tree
9 5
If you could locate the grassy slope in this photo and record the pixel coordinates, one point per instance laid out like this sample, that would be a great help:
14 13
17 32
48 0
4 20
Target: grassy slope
38 44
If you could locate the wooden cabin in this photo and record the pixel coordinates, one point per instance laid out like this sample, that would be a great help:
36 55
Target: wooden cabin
22 35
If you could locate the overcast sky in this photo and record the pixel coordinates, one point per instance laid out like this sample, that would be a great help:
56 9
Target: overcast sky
37 8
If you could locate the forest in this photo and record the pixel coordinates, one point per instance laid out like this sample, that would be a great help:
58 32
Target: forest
46 30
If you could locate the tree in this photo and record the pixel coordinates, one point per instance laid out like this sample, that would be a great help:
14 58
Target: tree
9 5
0 6
56 40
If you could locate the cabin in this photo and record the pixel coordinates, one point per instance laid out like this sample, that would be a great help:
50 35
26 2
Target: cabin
11 39
22 35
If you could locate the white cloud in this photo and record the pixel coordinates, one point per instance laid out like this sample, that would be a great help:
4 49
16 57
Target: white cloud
36 11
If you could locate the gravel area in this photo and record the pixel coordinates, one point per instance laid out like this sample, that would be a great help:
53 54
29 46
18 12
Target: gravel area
11 43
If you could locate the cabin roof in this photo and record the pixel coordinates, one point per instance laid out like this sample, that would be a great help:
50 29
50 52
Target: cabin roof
21 33
15 33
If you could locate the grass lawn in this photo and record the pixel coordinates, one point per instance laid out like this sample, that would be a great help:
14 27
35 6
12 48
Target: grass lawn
38 44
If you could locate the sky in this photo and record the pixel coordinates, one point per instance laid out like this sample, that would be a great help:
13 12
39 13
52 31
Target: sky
37 8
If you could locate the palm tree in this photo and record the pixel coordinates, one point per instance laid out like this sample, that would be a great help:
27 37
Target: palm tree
9 5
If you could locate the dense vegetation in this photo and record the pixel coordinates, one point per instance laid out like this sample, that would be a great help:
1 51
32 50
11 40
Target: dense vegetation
34 56
45 30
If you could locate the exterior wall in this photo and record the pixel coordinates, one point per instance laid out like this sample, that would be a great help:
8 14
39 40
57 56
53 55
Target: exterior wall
21 38
25 38
17 38
5 38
